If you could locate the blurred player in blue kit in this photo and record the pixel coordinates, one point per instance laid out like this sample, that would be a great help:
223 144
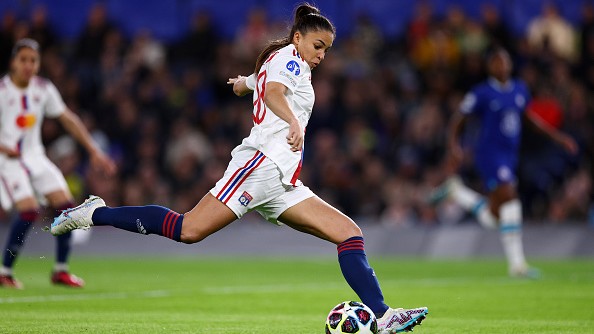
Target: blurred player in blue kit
263 174
499 105
25 171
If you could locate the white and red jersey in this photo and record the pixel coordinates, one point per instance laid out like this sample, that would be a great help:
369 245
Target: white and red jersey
22 112
269 132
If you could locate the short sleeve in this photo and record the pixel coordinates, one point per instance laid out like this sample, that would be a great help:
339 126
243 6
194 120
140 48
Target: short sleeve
286 70
54 106
469 103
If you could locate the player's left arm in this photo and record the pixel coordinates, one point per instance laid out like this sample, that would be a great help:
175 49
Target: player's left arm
74 126
566 141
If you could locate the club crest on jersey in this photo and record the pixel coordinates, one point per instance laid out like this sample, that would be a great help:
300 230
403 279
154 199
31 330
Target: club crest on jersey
293 67
245 198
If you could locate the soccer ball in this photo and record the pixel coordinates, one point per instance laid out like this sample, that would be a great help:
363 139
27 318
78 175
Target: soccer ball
351 317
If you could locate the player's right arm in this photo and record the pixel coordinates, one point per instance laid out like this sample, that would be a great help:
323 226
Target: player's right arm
456 126
74 126
243 85
276 100
11 153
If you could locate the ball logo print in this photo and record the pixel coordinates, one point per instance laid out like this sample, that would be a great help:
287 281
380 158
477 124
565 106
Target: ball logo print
293 66
351 317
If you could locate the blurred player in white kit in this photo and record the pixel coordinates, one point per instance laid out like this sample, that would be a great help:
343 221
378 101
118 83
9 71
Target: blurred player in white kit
26 173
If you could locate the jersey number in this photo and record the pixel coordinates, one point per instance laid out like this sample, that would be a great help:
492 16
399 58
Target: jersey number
259 105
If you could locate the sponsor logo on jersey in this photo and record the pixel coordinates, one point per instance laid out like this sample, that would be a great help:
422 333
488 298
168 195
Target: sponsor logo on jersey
288 76
292 66
25 121
510 123
245 198
520 101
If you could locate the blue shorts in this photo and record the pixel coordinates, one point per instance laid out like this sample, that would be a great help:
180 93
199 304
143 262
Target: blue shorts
495 171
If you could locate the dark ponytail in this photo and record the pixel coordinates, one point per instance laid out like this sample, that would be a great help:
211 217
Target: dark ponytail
307 18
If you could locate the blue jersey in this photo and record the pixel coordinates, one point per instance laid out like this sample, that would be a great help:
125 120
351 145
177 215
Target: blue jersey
499 110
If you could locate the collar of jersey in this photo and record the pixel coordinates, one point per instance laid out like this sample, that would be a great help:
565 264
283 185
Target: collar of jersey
498 86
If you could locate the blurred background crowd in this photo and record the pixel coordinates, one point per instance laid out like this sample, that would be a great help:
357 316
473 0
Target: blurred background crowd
375 143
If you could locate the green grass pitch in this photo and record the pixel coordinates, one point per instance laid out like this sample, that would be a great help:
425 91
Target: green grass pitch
292 295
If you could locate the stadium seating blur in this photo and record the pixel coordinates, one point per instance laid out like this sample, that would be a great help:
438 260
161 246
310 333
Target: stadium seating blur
149 79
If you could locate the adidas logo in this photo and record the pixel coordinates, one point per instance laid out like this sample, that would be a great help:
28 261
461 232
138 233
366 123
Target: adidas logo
140 228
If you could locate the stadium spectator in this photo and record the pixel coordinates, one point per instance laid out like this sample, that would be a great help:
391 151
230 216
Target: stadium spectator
90 42
7 40
495 28
550 32
40 29
202 32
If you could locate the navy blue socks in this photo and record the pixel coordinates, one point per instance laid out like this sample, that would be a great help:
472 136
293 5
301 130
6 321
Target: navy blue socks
63 241
359 275
150 219
16 238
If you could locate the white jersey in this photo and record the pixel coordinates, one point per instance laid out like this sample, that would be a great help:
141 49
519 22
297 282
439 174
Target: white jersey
22 112
269 132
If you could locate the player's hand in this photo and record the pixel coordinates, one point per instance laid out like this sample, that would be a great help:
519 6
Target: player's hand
240 87
295 136
11 153
232 81
103 162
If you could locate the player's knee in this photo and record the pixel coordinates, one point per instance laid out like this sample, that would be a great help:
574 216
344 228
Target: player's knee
353 230
190 238
191 235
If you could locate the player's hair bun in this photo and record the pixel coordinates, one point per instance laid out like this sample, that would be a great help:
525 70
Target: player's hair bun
305 9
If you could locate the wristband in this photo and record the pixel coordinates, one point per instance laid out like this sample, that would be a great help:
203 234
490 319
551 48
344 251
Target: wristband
250 81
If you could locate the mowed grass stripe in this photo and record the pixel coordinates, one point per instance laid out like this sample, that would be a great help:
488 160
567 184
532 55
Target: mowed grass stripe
272 296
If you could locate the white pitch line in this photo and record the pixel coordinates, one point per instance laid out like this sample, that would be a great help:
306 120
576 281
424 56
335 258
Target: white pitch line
87 296
274 288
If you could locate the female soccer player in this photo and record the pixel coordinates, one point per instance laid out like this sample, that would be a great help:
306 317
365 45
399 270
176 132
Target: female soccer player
499 104
264 170
25 171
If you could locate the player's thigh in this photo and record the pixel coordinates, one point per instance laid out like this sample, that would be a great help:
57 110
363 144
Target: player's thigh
47 179
59 198
502 193
207 217
26 204
316 217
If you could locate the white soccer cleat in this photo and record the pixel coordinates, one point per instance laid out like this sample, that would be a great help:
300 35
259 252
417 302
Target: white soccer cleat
400 320
79 217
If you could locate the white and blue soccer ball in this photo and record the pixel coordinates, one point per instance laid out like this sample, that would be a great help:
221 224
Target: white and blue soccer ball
351 317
